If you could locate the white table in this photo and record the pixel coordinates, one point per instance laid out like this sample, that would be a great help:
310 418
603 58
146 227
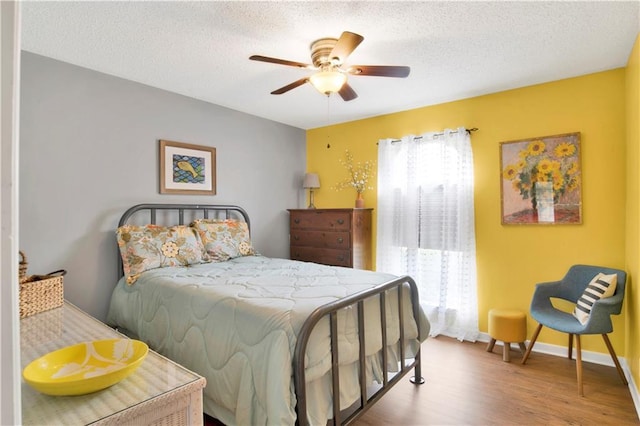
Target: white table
159 391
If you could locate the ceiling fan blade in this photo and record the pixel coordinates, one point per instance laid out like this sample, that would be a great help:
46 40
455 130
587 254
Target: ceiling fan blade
290 86
380 70
346 44
280 61
347 93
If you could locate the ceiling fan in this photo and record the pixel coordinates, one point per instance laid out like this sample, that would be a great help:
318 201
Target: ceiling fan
328 56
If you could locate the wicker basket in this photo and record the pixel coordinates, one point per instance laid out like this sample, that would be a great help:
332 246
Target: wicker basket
22 266
39 293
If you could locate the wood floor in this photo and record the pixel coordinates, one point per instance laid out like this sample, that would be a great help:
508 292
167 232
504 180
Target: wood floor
465 385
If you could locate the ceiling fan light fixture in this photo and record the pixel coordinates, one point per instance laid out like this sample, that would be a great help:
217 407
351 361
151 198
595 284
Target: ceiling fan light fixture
327 82
328 56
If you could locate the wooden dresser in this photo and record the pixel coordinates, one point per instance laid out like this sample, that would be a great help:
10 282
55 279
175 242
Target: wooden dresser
339 237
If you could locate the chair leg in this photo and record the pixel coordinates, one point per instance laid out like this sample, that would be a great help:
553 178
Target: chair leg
531 343
491 344
615 358
523 347
570 347
579 365
506 354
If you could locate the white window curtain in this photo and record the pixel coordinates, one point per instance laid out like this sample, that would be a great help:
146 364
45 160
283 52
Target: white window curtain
426 225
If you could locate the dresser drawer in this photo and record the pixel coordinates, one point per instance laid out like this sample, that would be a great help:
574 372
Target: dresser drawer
321 239
338 237
327 220
324 256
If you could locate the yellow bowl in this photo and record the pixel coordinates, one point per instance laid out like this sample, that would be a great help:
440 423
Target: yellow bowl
86 367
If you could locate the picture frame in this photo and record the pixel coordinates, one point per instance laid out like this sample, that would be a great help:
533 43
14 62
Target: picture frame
541 180
187 169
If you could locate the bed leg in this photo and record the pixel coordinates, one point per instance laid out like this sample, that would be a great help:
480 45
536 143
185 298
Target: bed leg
417 379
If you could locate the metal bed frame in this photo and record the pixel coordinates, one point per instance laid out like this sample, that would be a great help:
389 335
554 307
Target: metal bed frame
331 310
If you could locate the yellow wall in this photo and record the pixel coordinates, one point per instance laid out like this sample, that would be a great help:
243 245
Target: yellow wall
511 259
632 306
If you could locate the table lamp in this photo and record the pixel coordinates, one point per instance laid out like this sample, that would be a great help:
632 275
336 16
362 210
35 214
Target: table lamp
311 182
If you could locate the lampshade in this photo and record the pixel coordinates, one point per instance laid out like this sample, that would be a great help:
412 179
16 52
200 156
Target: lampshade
328 81
311 181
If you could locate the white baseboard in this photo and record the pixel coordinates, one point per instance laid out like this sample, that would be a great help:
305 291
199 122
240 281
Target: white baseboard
587 356
545 348
632 385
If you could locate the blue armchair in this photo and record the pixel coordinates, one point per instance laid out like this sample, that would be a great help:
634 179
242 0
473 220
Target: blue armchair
571 288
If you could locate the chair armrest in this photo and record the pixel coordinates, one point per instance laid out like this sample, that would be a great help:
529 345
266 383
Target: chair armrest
600 319
543 293
611 305
551 289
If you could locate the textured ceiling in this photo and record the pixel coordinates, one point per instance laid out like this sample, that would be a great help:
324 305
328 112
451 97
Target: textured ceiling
456 50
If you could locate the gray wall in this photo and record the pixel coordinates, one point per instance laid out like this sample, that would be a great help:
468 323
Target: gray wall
89 150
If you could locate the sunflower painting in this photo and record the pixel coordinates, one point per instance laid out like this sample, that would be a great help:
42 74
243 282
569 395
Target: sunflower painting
541 180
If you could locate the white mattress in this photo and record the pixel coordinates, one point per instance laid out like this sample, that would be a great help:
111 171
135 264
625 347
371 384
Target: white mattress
236 322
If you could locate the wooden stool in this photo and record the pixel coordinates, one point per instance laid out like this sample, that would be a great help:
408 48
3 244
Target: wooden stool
509 326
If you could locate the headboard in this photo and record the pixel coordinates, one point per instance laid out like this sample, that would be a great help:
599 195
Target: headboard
177 214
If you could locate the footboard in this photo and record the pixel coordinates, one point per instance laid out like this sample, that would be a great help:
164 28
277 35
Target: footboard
331 310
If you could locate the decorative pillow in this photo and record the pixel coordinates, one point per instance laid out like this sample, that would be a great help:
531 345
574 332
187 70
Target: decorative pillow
224 239
600 287
151 246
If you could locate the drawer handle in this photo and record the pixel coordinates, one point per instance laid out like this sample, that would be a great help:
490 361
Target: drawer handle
340 240
341 258
296 237
340 221
296 221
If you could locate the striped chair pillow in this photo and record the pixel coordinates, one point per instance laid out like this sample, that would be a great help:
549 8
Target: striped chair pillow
600 287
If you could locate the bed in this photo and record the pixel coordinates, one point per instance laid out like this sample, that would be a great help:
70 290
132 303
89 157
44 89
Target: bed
274 338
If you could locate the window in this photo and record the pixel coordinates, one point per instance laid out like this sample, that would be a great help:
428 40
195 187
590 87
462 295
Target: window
426 225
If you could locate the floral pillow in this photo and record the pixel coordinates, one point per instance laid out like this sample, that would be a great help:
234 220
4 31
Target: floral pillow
224 239
152 246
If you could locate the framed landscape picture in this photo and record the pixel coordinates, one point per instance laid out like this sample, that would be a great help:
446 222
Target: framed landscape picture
187 168
541 180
